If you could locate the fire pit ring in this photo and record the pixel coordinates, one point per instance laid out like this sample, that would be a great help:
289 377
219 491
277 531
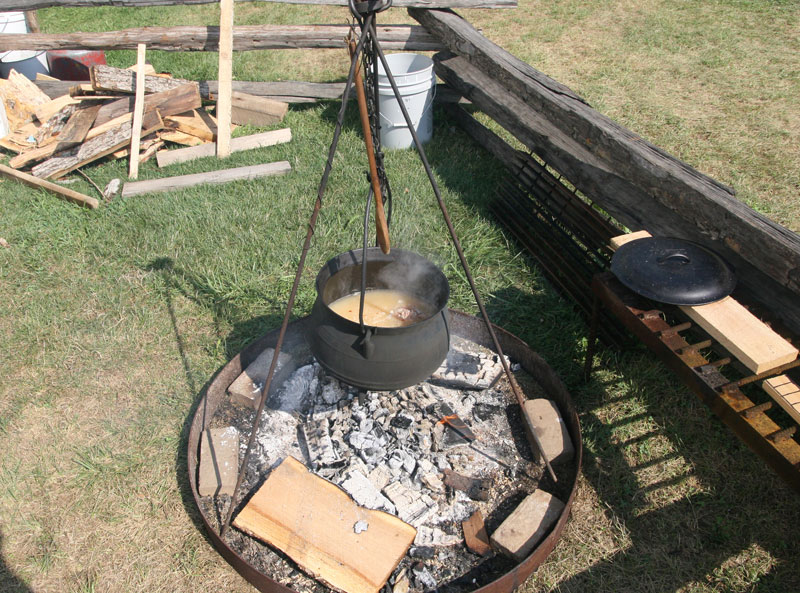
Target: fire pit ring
461 325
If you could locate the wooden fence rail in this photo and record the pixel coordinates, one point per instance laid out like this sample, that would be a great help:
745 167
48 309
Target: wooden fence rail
6 5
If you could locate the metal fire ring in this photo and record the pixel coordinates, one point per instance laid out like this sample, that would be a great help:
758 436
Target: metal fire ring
462 325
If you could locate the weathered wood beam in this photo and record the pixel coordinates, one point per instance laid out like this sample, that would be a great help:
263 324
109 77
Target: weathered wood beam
245 38
638 183
62 192
7 5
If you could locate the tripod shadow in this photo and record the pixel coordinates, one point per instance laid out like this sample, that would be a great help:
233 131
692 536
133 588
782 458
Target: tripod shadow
9 582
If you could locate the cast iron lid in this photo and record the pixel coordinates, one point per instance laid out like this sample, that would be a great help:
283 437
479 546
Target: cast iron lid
673 271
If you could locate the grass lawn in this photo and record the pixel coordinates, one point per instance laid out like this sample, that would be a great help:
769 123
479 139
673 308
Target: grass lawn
112 322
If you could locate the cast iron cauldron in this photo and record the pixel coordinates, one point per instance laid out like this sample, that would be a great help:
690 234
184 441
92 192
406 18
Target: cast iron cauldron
380 358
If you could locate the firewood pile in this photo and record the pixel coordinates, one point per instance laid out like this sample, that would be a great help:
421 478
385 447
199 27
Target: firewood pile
50 137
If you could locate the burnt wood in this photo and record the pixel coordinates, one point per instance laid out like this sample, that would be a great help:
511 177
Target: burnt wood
245 38
639 184
7 5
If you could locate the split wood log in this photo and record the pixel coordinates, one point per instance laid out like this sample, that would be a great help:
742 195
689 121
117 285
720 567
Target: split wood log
63 192
180 99
47 132
247 109
47 110
138 112
225 77
182 155
136 188
639 184
316 529
7 5
99 146
76 128
122 80
20 97
182 138
245 38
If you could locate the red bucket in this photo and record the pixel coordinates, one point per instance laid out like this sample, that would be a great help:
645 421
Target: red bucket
68 64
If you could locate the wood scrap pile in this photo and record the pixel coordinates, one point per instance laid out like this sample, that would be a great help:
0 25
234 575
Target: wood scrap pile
52 137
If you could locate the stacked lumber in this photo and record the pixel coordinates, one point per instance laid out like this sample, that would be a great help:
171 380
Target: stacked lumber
51 137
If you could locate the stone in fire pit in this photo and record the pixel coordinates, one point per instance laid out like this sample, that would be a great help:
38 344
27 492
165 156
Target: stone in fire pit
396 452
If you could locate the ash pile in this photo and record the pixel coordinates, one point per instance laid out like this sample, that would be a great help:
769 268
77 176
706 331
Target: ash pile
432 487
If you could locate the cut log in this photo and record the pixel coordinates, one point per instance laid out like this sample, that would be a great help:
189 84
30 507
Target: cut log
121 80
62 192
52 127
138 112
7 5
180 99
475 536
182 155
636 182
247 109
316 529
99 146
786 392
223 176
247 37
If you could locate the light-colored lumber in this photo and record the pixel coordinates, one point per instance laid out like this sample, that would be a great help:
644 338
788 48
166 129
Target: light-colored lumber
182 155
225 77
21 97
312 521
183 138
745 336
786 392
99 146
47 110
750 340
63 192
136 188
252 110
620 240
196 122
138 112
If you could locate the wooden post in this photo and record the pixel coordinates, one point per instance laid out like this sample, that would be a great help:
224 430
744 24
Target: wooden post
225 76
138 112
32 21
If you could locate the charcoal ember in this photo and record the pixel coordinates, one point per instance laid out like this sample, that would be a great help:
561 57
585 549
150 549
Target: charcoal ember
321 450
482 411
475 488
402 421
364 492
423 578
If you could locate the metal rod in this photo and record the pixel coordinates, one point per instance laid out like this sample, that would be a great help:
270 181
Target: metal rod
765 375
456 243
293 294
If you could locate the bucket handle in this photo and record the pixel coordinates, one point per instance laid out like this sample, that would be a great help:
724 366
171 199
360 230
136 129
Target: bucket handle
428 105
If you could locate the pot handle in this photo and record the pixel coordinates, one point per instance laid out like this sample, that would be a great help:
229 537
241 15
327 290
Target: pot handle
367 347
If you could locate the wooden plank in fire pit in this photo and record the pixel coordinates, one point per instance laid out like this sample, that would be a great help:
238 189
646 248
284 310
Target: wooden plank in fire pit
349 547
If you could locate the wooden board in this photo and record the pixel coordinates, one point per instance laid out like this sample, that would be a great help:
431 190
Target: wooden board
213 177
182 155
750 340
316 529
245 38
225 77
138 112
21 97
179 99
247 109
62 192
198 123
182 138
786 392
77 128
745 336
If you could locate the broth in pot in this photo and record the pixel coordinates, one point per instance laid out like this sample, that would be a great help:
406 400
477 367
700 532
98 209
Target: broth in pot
383 307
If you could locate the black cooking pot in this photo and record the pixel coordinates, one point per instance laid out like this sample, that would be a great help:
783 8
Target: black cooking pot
380 358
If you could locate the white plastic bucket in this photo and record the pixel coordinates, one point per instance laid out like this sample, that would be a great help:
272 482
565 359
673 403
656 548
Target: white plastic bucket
416 82
26 62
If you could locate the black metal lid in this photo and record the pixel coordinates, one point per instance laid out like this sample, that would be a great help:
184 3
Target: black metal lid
673 271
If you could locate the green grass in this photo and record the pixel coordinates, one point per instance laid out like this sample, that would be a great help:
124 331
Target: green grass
113 321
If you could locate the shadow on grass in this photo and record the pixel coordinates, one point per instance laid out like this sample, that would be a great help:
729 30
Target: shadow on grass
9 582
175 282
